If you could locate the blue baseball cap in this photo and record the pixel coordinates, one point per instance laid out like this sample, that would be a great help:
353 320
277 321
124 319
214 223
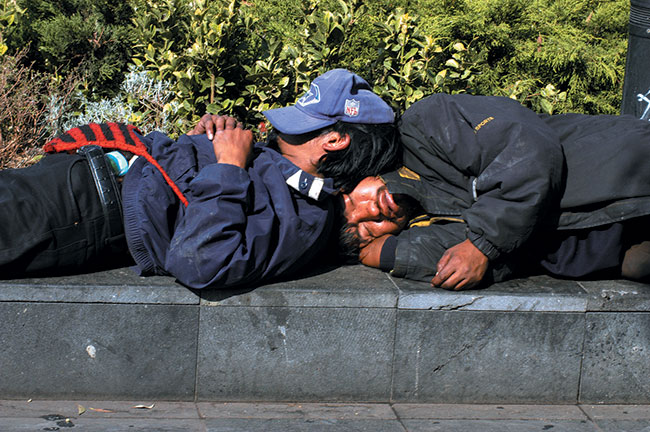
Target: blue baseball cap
337 95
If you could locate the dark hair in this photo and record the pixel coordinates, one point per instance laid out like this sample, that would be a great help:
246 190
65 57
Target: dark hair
349 245
373 149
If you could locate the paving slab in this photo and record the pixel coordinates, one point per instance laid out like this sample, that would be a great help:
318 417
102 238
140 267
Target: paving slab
100 425
487 357
296 411
41 415
617 412
284 354
488 412
99 409
498 426
616 365
306 425
623 425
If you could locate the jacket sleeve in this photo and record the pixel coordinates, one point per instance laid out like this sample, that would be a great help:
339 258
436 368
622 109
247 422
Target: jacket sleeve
214 242
418 250
507 161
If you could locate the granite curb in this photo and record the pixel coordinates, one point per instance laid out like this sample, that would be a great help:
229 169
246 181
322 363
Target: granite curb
343 334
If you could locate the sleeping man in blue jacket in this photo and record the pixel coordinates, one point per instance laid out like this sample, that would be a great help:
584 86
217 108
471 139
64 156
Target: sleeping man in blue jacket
490 190
212 213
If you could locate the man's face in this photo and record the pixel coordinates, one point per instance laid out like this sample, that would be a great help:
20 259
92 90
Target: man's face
371 211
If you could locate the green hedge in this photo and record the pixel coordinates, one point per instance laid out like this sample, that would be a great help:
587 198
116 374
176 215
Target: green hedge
93 38
240 57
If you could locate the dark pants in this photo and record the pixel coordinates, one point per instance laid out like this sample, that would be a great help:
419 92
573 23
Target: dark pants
596 252
52 222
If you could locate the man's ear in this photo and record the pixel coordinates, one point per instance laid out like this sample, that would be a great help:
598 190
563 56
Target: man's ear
334 141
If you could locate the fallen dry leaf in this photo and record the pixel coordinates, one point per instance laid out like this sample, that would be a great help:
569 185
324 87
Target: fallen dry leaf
144 406
81 409
100 410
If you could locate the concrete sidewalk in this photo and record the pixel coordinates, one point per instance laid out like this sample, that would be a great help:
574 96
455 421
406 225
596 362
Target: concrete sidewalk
103 416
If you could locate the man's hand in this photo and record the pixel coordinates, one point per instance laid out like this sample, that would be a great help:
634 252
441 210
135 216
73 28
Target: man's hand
233 145
461 267
211 123
370 254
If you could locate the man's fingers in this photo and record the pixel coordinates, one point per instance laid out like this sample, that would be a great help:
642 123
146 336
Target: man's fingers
231 123
459 285
443 270
456 281
444 260
461 267
450 274
453 283
441 276
209 128
442 264
233 146
210 124
446 280
219 123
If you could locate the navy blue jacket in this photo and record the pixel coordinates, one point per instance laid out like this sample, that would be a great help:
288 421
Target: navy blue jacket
240 227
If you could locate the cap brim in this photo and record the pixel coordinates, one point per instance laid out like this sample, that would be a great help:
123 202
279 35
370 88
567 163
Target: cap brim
290 120
398 184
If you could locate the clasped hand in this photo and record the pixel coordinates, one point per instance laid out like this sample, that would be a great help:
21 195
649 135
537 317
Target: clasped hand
461 267
231 142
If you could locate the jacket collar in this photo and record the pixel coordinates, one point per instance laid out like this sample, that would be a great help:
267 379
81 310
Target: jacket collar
316 188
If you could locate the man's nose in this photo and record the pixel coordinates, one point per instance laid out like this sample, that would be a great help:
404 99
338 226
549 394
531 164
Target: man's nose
373 210
368 211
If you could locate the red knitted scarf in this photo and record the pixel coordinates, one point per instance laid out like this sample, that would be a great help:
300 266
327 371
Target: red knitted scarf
114 136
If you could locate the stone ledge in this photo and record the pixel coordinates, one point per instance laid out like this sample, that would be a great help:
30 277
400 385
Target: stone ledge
533 294
350 286
119 286
345 334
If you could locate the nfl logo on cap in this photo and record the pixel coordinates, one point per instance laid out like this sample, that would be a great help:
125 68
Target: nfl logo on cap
351 107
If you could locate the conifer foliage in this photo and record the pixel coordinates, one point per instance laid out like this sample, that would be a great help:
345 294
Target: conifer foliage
91 37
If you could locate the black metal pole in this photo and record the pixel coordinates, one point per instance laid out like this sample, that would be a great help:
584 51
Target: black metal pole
636 88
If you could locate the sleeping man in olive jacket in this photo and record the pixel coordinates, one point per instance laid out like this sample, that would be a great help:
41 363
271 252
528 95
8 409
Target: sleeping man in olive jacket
490 190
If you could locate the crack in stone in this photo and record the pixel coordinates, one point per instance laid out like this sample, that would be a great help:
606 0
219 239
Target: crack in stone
609 294
482 340
452 307
450 358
